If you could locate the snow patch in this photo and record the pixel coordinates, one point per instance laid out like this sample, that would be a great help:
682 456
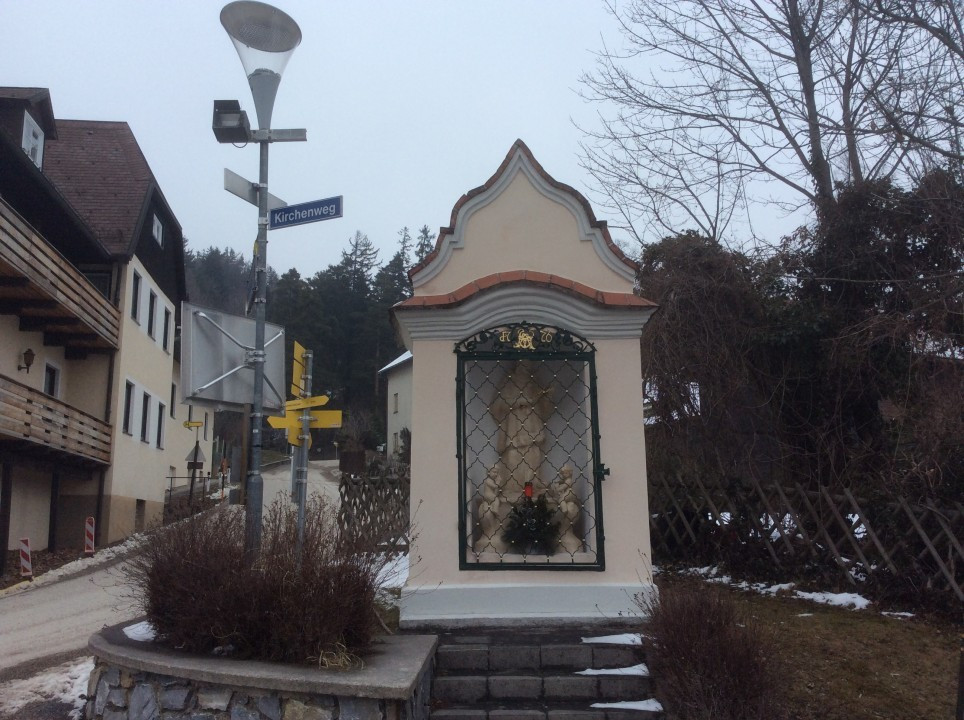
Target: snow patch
640 670
141 632
858 602
63 683
623 639
651 705
394 574
901 615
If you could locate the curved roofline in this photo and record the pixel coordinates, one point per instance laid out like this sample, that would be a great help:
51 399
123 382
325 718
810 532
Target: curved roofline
614 300
519 147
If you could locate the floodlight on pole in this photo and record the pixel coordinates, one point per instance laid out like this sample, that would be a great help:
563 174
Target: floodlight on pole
265 38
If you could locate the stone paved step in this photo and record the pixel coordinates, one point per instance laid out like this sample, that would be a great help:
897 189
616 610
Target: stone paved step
539 711
479 688
478 657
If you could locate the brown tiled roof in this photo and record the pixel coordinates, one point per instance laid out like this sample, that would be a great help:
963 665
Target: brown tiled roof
520 146
100 170
525 277
40 98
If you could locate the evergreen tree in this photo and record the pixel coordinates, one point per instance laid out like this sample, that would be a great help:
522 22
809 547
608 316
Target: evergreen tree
425 243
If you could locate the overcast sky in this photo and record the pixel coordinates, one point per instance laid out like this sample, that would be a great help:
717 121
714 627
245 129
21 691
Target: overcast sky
407 104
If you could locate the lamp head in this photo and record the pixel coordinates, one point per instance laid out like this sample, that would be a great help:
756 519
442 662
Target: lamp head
28 358
265 37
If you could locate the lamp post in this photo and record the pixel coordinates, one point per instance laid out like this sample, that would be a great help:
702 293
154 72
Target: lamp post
265 38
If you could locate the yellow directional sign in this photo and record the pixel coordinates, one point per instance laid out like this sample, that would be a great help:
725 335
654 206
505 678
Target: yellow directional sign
319 419
297 369
325 419
300 403
193 423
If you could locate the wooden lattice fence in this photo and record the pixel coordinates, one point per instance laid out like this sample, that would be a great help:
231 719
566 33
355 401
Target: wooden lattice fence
376 505
912 545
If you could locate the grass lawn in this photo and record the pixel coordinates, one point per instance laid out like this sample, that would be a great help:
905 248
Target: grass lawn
851 665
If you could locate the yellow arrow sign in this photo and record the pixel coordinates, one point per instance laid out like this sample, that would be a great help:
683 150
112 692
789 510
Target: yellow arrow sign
325 419
193 423
300 403
297 369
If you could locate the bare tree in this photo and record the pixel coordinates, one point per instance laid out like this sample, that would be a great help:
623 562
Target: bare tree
713 105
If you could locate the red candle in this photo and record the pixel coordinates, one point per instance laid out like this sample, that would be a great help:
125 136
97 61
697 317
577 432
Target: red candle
528 490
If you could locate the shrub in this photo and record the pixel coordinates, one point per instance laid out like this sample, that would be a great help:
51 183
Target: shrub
197 589
710 662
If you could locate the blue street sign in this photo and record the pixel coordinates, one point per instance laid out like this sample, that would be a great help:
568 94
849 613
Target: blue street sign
305 213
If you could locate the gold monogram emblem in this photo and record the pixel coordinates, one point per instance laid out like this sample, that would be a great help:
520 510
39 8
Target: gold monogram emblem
524 340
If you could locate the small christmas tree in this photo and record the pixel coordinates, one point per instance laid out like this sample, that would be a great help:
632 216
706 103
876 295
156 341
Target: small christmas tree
530 527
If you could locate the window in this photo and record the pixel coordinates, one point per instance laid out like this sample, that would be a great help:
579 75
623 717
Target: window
166 335
205 426
128 406
146 419
190 413
158 231
395 442
396 403
151 312
160 425
173 398
526 422
136 297
33 140
51 380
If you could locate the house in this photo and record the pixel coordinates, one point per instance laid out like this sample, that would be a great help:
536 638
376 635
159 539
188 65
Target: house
398 374
91 281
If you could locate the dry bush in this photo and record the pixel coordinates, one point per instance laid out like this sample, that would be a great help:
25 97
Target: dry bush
710 662
195 586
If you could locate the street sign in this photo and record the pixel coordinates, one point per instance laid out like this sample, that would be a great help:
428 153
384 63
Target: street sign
320 419
247 190
193 424
300 403
325 419
195 454
195 465
308 212
298 369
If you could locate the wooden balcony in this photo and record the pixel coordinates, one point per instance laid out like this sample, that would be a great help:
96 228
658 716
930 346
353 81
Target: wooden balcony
49 294
31 422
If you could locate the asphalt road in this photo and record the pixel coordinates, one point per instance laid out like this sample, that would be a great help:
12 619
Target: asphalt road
46 625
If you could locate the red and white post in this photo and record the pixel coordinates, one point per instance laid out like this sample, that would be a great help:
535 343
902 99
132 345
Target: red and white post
26 565
89 537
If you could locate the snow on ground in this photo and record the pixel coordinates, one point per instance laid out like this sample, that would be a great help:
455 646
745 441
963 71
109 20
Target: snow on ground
141 632
641 670
395 573
651 705
623 639
845 600
64 683
101 557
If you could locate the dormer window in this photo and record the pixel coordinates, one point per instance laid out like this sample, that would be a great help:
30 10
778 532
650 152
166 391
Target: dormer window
158 231
33 139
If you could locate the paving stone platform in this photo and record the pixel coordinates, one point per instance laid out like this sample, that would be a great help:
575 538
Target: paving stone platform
514 674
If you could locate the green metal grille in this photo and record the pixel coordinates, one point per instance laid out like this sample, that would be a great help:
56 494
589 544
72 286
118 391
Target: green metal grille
529 467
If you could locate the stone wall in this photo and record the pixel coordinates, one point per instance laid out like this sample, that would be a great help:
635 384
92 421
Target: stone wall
116 693
142 680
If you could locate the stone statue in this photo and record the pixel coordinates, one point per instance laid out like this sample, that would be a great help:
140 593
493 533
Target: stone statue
567 503
521 410
493 509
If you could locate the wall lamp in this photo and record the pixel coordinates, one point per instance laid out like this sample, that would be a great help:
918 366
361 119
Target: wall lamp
28 358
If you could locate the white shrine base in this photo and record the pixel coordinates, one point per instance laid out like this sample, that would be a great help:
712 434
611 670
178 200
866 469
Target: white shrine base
501 605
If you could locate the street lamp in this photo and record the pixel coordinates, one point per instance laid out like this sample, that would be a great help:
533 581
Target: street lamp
265 38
